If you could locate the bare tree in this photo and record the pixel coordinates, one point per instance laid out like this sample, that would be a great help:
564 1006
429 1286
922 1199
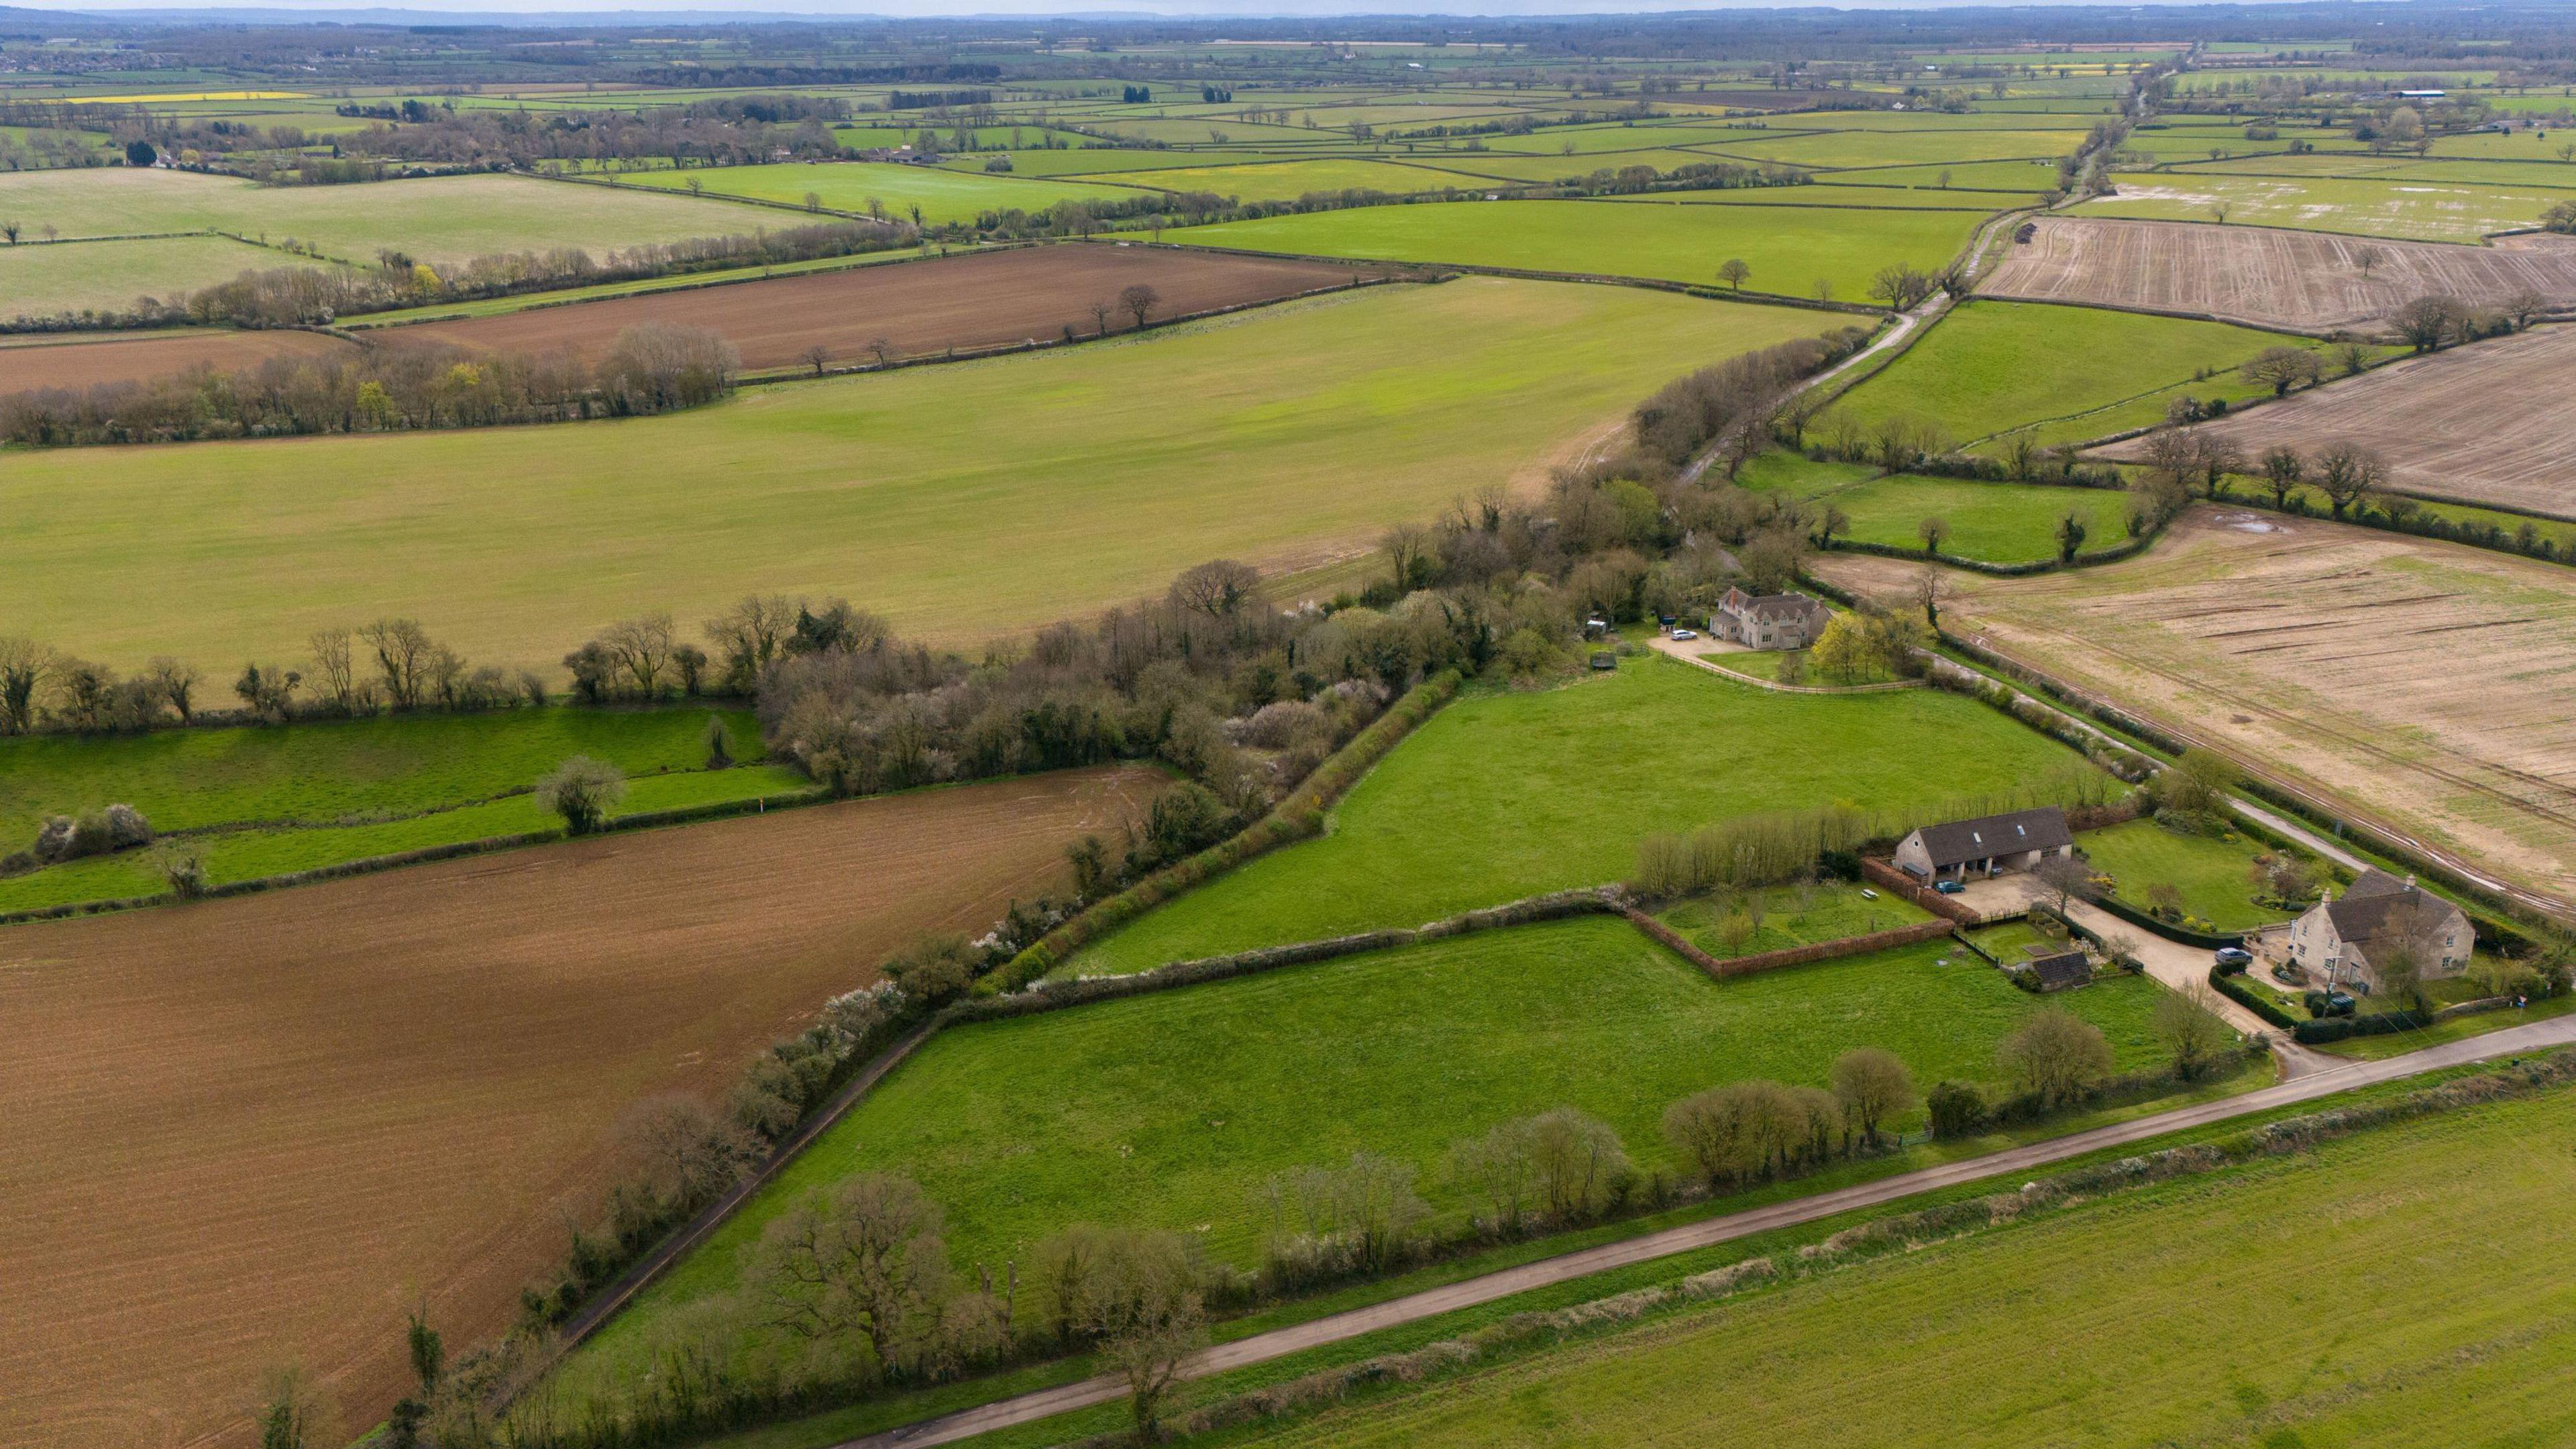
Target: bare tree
2426 323
403 652
749 636
642 648
2055 1056
2283 471
176 684
1409 548
1933 530
1500 1173
1139 301
1873 1085
2066 878
2282 368
1101 310
1149 1315
25 667
2524 307
1930 587
2346 471
2367 260
882 349
1734 272
2188 1023
1218 588
818 357
865 1258
1579 1163
1900 286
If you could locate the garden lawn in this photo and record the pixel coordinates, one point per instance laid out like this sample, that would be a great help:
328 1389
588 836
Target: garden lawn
107 276
2255 1307
1506 795
1991 367
1789 248
2212 873
1791 916
1170 1110
943 195
959 501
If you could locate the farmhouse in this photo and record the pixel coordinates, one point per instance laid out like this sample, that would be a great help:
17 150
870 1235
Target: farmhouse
1985 846
1768 621
2352 940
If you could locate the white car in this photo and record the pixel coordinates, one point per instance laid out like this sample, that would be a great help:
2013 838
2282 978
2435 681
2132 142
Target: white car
1685 633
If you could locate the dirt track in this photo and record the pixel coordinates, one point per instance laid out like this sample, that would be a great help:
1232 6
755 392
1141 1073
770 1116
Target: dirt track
2487 423
982 299
2427 685
2306 281
251 1131
69 363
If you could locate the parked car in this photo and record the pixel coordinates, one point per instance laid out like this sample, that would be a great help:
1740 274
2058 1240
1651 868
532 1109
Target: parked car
1949 888
2234 959
1685 633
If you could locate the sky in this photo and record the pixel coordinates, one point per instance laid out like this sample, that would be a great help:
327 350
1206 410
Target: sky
700 11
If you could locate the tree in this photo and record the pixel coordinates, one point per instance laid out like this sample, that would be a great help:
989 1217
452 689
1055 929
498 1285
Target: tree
293 1412
1734 273
1842 651
140 153
818 357
2218 212
25 667
1409 552
2523 307
2187 1022
2070 537
1930 584
1578 1163
403 653
882 349
2283 471
428 1351
1900 286
2425 323
2346 471
1149 1316
685 1152
642 649
2065 877
1500 1173
813 201
1218 589
1830 520
582 790
2055 1056
1873 1085
1932 531
864 1258
2282 368
1139 301
1773 559
10 228
2367 260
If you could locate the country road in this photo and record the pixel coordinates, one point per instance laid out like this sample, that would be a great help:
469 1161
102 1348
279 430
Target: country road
1280 1342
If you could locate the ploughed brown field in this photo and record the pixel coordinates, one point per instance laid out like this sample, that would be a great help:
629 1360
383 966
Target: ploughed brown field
34 365
251 1131
2301 280
2428 686
982 299
2493 422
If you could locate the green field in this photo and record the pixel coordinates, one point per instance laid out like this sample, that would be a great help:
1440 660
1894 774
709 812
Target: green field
2211 873
959 500
1791 915
2003 523
1857 148
1789 248
2395 1289
2426 210
2072 372
439 219
1508 795
266 800
943 195
1189 1098
107 276
1288 180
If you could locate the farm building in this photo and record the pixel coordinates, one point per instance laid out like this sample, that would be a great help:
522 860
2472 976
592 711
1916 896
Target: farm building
1768 621
1988 845
2058 970
2350 941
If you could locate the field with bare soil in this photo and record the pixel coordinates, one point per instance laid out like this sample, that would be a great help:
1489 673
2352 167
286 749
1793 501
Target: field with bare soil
2303 281
2426 685
978 300
2489 423
65 363
252 1131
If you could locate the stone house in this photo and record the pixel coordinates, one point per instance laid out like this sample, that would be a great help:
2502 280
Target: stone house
1769 621
2345 942
1987 845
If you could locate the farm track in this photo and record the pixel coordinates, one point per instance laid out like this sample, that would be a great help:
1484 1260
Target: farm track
367 1092
1564 1268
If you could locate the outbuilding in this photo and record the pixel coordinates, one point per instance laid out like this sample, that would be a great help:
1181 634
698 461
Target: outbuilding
1987 845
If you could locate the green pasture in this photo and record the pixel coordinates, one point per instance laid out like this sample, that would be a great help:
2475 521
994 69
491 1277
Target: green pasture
1511 794
1541 170
2004 523
2425 211
1858 198
1790 249
2148 1301
2017 178
960 501
1576 141
1989 368
2213 873
108 276
1190 1098
1906 148
1790 915
440 219
1288 180
1094 157
943 195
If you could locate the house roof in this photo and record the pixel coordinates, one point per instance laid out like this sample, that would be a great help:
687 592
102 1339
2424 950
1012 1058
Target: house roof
2065 968
1992 835
1771 608
2379 908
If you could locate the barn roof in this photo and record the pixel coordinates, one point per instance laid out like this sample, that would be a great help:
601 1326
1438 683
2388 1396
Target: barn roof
2065 968
1959 841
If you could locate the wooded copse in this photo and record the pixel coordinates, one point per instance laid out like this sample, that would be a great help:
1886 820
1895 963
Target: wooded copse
653 367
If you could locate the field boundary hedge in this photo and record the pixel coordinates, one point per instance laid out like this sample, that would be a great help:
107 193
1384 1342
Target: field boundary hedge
2130 548
2213 940
1299 817
1896 882
2253 1001
1720 968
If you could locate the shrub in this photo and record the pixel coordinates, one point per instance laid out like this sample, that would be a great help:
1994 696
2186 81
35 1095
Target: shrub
1958 1109
582 790
93 832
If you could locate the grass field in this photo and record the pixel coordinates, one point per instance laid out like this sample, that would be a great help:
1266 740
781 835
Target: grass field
1988 368
1858 148
439 219
1288 180
2190 1313
1789 248
2211 873
1507 795
376 1091
956 500
107 276
1398 1052
2422 210
942 195
1995 522
1791 916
